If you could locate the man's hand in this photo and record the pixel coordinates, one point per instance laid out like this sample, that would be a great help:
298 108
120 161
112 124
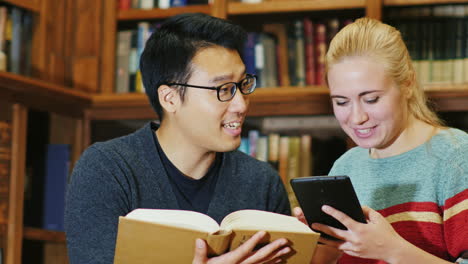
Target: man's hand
244 254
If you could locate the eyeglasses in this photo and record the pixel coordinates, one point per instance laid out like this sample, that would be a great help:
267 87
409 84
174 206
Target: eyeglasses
226 92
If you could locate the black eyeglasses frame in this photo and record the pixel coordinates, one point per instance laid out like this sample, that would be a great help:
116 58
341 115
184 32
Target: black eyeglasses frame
218 88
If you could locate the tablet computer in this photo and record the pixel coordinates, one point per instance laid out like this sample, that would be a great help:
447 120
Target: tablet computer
336 191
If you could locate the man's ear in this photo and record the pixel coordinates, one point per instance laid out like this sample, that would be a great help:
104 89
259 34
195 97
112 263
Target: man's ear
168 98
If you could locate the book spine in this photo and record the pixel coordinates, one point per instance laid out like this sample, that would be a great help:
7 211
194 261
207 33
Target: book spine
5 161
175 3
459 12
249 52
300 54
57 167
16 42
125 4
273 149
124 39
309 51
146 4
321 51
253 138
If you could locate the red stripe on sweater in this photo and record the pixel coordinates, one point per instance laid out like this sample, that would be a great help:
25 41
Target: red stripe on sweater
412 207
456 231
457 198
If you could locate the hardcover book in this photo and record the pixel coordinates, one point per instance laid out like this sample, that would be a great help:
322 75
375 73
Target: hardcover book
168 236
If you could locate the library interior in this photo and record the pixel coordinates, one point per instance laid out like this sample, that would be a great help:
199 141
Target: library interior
69 77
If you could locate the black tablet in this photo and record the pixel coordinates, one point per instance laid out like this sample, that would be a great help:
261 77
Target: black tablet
336 191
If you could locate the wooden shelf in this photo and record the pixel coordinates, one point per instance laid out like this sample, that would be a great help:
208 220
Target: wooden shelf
31 233
239 8
420 2
31 5
268 102
42 95
157 13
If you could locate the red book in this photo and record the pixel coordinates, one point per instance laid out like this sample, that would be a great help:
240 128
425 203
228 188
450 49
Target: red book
124 4
309 51
321 51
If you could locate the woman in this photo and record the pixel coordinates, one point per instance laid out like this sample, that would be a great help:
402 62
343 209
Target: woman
407 166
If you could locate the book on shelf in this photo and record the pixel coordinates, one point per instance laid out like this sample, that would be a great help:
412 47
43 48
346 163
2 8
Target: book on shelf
309 51
273 150
5 166
57 167
279 31
320 52
168 236
122 74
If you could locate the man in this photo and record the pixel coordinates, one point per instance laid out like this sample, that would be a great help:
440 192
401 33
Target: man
196 82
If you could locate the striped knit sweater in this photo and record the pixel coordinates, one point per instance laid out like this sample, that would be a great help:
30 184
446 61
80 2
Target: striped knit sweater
422 193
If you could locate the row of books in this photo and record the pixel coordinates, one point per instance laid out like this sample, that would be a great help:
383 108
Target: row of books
290 155
282 55
164 4
291 54
130 45
437 39
15 40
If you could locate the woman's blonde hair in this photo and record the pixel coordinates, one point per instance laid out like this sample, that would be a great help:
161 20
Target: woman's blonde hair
373 39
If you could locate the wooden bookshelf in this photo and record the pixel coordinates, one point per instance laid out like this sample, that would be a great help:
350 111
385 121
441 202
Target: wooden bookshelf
266 102
157 13
420 2
239 8
31 5
31 233
43 96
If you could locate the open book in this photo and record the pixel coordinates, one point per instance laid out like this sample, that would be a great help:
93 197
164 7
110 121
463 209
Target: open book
168 236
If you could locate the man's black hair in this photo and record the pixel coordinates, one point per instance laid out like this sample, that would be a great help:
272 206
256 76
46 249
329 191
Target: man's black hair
170 49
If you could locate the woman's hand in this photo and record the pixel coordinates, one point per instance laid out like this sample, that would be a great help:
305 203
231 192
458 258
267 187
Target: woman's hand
244 254
324 254
375 240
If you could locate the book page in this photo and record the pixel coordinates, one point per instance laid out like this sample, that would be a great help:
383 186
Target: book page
180 218
262 220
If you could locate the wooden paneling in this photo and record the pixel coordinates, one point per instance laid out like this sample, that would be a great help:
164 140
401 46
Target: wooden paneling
374 9
31 5
220 9
55 59
108 47
86 18
16 196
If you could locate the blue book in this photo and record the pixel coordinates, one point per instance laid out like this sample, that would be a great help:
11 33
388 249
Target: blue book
55 182
175 3
249 52
244 145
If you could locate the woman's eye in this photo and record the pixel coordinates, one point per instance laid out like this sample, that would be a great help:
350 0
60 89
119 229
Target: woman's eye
372 100
341 103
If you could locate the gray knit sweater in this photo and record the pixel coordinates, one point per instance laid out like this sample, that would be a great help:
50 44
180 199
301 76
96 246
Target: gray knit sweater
114 177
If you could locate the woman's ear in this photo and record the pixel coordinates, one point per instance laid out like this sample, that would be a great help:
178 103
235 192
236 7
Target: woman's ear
168 98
